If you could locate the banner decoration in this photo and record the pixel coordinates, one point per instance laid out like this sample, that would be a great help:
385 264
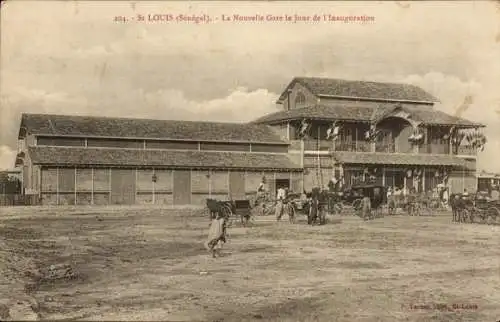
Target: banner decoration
448 135
457 138
304 128
333 131
372 134
417 136
476 140
417 174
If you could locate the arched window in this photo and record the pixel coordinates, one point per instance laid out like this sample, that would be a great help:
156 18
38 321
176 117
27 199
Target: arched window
300 99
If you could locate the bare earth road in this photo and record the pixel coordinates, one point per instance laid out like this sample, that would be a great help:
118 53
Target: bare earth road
137 264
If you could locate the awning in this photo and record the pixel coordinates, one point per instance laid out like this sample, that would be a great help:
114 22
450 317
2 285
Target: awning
399 159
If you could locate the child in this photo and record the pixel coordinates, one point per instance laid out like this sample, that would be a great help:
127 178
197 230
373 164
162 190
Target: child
367 207
216 235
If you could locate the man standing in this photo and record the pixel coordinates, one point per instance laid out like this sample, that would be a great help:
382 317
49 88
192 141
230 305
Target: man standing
495 195
280 198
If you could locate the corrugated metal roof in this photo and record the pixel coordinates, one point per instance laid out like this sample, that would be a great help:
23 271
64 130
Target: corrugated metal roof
90 126
362 89
159 158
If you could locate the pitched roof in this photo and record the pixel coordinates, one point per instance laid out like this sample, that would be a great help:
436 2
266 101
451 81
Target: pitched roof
399 159
364 113
320 111
90 126
362 89
158 158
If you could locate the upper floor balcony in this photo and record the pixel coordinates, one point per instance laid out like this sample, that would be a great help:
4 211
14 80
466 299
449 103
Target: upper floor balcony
382 147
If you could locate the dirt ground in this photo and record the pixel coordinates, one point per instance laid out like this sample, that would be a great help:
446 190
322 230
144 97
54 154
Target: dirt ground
150 264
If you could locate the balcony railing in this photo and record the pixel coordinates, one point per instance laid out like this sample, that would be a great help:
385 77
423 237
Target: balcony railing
315 145
434 148
385 147
364 146
466 150
324 145
356 146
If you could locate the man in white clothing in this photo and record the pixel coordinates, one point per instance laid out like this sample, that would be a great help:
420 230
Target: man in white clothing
280 198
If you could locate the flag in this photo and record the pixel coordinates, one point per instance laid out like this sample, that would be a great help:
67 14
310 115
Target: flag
449 134
304 127
333 131
371 135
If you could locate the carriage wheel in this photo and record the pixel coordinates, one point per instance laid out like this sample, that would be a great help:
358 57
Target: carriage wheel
228 214
291 214
356 206
492 215
472 216
338 208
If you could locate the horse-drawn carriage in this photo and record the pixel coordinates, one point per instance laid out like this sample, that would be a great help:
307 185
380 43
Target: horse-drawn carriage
230 209
367 200
474 209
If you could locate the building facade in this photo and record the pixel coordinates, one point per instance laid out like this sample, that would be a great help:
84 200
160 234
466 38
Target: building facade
69 160
390 133
327 128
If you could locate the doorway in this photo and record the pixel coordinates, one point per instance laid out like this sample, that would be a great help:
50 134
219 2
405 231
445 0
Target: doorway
282 183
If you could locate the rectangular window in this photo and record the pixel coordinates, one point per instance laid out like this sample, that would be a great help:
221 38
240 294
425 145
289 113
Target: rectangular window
171 145
115 143
269 148
219 146
61 141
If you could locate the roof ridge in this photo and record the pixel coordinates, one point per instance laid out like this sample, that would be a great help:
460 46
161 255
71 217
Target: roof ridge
129 118
356 80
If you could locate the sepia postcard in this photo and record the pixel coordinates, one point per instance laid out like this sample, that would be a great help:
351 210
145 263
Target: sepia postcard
250 161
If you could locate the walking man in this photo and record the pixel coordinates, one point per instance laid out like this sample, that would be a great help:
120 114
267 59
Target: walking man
280 198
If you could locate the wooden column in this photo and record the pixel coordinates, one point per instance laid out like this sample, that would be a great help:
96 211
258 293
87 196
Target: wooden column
57 186
92 188
75 187
172 184
209 183
423 180
135 186
383 176
110 188
229 185
274 179
153 187
355 138
303 186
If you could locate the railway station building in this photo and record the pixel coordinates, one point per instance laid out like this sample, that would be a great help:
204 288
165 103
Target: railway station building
326 128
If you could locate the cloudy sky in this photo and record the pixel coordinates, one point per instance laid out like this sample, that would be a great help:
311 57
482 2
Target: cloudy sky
73 58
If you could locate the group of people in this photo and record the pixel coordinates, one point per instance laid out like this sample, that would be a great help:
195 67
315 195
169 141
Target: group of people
439 196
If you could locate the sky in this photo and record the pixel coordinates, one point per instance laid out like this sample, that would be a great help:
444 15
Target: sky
73 58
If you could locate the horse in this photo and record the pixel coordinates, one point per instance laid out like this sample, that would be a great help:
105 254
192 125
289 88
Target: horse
222 207
460 207
317 205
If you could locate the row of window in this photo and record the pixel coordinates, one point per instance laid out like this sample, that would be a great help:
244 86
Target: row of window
163 145
145 180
